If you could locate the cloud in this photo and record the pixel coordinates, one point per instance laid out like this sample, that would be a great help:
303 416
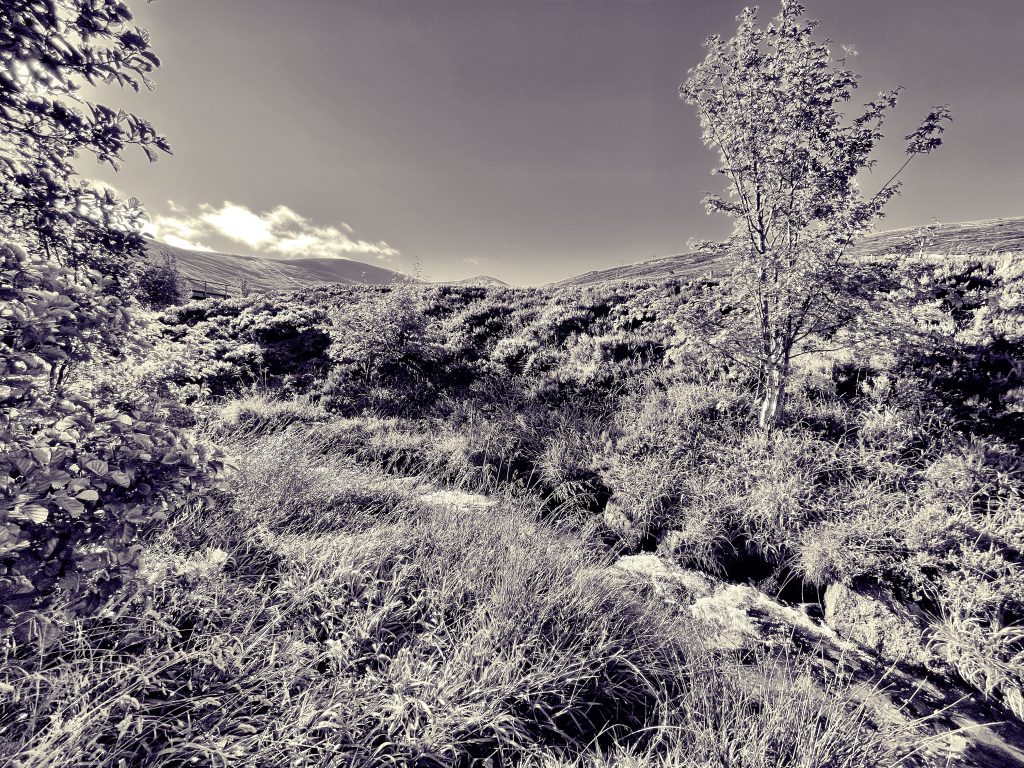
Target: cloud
280 231
181 242
175 230
238 223
471 260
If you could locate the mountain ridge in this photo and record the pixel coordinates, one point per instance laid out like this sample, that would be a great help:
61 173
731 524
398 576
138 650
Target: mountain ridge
227 274
216 272
968 238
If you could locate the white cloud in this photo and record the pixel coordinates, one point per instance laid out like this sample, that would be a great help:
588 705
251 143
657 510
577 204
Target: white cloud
471 260
279 231
238 223
179 232
283 216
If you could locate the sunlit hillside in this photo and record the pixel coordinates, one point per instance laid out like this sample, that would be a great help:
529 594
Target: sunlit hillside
227 273
974 238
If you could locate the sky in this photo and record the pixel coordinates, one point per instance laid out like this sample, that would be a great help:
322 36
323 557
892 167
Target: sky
529 140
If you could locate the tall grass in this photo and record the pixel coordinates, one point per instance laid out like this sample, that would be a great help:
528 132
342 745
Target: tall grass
294 626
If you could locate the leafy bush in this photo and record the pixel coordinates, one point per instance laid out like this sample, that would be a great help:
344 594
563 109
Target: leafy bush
222 347
51 50
161 285
80 481
965 340
384 359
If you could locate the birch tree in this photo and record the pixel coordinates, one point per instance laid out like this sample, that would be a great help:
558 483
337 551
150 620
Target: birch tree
774 103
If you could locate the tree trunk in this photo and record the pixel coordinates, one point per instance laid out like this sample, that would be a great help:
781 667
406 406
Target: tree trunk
774 403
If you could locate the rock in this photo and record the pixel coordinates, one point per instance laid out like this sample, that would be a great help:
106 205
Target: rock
742 617
876 622
618 523
448 497
668 579
738 616
944 724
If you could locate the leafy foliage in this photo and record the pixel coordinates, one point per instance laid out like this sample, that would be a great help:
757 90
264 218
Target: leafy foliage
48 51
381 349
161 285
217 347
79 481
85 468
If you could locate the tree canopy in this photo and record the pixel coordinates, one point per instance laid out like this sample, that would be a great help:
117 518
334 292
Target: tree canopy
773 102
50 50
86 466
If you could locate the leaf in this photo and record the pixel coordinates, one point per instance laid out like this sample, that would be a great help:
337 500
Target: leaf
121 478
89 495
97 466
72 506
59 479
36 513
136 514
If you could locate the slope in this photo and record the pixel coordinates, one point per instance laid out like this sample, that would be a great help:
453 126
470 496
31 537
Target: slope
225 272
975 238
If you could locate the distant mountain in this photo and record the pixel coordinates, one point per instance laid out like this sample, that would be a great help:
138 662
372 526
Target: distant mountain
221 273
973 238
224 272
684 265
484 281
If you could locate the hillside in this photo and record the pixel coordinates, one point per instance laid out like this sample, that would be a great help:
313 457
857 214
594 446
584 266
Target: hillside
485 281
974 238
224 272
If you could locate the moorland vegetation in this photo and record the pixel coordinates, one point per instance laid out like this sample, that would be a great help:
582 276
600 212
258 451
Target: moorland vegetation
442 525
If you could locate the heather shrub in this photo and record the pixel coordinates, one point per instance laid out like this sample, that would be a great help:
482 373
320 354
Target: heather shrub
965 339
161 285
219 347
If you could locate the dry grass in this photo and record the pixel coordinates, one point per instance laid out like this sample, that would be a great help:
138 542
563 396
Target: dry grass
322 617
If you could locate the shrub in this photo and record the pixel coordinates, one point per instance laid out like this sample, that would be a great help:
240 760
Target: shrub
161 285
383 357
80 481
221 347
